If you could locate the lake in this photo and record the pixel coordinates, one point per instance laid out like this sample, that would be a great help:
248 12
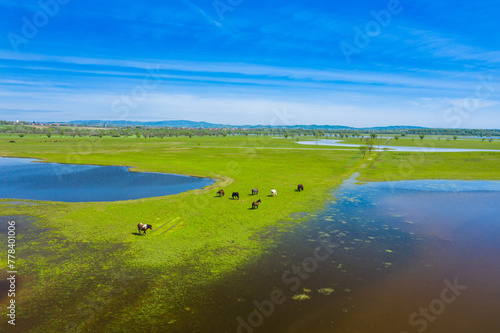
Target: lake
23 178
402 257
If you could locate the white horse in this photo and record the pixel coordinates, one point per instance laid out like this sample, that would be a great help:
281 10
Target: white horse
274 193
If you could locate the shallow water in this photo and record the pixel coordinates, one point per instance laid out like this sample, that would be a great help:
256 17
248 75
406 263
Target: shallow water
22 178
372 259
423 149
396 247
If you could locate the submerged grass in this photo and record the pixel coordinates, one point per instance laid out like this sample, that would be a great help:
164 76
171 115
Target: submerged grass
94 272
202 237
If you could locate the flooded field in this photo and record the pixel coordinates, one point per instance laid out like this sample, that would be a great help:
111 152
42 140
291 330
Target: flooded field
423 149
408 256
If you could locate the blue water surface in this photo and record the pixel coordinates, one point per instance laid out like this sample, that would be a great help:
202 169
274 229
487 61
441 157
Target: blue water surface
22 178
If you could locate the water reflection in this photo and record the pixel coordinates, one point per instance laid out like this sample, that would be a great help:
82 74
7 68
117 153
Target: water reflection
21 178
423 149
435 231
395 247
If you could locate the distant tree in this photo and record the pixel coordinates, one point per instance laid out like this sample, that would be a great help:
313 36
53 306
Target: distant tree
421 136
403 134
455 137
138 135
490 140
48 132
363 150
396 137
373 135
369 145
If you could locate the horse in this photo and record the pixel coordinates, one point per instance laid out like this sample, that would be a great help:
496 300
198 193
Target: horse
255 191
274 193
144 227
255 204
221 193
300 187
236 195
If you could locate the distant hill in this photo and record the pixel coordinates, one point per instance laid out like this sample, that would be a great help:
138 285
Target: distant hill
202 124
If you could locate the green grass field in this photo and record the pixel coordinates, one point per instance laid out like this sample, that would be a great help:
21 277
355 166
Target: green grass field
76 254
430 141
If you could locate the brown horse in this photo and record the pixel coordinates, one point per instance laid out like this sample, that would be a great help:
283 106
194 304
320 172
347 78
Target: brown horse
236 195
144 227
255 204
220 193
300 187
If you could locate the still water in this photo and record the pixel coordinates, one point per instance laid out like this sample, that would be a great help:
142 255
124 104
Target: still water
22 178
423 149
402 257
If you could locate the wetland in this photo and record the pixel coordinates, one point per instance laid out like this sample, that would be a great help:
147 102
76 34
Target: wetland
344 255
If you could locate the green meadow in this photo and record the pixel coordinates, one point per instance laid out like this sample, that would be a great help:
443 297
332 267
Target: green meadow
83 268
433 141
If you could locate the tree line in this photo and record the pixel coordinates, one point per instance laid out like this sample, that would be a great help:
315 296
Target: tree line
21 129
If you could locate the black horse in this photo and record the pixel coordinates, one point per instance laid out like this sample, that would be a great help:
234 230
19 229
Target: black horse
300 187
144 227
255 204
221 193
236 195
255 191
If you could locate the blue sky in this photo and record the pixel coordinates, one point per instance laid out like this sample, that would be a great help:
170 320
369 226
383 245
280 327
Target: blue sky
357 63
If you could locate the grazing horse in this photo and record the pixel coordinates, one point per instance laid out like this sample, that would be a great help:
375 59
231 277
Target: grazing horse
220 193
255 204
300 187
255 191
144 227
274 193
236 195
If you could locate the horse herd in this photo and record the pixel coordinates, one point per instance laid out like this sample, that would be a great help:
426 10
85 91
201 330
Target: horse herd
142 228
255 204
